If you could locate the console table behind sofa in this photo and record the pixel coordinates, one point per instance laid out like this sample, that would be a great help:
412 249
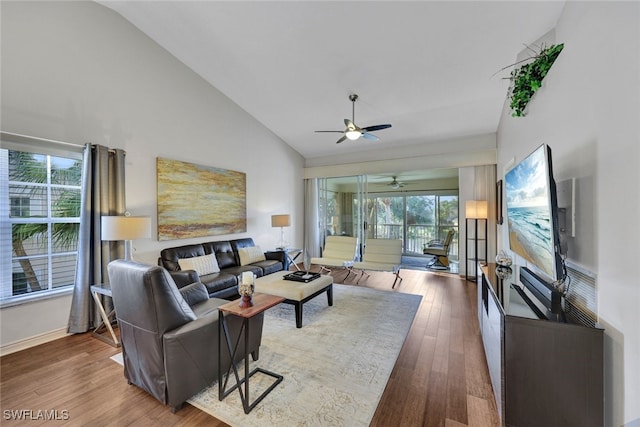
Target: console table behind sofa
222 284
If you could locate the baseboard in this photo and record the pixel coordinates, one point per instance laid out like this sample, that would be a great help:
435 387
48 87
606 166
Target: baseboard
33 341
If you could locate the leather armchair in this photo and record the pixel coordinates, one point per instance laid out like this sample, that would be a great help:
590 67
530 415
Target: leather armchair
170 336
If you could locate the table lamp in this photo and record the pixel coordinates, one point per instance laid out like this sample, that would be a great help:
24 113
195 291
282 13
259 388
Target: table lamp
125 228
281 221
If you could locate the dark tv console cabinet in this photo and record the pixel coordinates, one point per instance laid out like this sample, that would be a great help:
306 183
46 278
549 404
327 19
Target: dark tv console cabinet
544 372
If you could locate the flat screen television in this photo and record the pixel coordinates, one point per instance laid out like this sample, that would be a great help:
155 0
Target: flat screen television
532 213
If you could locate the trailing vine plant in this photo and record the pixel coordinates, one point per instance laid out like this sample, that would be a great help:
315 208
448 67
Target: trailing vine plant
527 79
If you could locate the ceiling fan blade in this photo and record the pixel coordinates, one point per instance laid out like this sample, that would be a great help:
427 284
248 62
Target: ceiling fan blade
349 124
352 131
370 136
376 127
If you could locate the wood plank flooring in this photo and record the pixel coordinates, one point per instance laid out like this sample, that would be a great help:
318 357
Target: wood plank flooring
440 377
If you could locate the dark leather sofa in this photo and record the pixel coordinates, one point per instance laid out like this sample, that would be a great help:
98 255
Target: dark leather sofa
222 284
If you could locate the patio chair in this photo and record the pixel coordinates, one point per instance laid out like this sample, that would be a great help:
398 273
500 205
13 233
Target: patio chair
440 251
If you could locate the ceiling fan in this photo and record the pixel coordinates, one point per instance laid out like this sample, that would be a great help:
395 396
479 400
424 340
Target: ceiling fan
395 184
352 131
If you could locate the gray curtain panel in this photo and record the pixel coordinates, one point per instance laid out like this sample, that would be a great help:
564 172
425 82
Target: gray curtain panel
103 193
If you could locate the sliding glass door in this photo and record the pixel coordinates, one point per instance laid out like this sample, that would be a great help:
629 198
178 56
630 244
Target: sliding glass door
416 218
385 217
341 203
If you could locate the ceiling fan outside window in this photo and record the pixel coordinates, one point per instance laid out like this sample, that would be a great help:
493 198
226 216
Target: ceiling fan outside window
352 131
395 184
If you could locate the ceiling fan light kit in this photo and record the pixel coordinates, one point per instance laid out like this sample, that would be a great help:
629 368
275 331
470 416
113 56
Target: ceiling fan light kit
352 132
395 184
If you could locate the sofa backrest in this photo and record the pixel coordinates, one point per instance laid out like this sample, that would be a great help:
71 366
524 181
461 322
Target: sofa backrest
226 252
147 297
247 242
388 251
340 247
169 257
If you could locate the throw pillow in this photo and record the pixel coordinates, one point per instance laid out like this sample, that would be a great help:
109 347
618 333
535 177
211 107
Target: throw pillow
205 264
250 255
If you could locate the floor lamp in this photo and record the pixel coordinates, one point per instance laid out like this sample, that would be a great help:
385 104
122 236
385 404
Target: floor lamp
281 221
127 228
475 210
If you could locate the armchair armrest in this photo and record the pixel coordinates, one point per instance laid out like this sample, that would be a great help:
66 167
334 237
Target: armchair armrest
184 277
194 293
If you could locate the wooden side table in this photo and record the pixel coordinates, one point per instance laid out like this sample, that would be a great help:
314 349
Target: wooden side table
261 302
107 318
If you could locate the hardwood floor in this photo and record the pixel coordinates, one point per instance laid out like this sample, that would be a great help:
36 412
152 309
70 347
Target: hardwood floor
440 377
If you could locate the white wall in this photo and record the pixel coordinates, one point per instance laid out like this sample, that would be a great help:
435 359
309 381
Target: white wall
588 112
78 72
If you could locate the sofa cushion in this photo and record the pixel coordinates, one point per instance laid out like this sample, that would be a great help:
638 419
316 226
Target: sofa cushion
250 254
215 282
239 269
268 266
205 264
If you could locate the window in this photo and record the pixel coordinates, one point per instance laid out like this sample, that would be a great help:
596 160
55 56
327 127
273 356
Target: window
414 218
19 207
40 230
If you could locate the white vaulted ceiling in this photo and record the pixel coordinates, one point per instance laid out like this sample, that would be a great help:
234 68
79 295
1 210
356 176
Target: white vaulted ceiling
426 67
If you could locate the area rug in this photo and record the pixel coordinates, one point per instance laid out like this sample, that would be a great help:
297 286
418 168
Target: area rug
335 367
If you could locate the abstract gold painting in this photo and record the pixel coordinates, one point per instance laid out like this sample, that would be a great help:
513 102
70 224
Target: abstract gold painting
196 201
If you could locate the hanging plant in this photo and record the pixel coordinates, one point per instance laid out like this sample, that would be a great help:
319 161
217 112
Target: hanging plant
527 79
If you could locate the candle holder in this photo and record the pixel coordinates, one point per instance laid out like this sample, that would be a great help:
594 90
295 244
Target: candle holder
246 286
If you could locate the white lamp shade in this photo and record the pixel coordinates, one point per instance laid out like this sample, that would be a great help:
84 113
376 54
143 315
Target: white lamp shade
125 227
280 220
476 209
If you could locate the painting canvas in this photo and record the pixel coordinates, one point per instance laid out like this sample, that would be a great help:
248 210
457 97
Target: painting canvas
196 201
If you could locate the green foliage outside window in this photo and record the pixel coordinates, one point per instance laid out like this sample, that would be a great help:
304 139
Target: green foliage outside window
29 238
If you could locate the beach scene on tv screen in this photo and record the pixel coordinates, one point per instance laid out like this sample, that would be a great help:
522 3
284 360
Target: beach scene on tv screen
529 213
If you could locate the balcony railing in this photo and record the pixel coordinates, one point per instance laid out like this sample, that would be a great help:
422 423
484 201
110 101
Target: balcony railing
418 235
